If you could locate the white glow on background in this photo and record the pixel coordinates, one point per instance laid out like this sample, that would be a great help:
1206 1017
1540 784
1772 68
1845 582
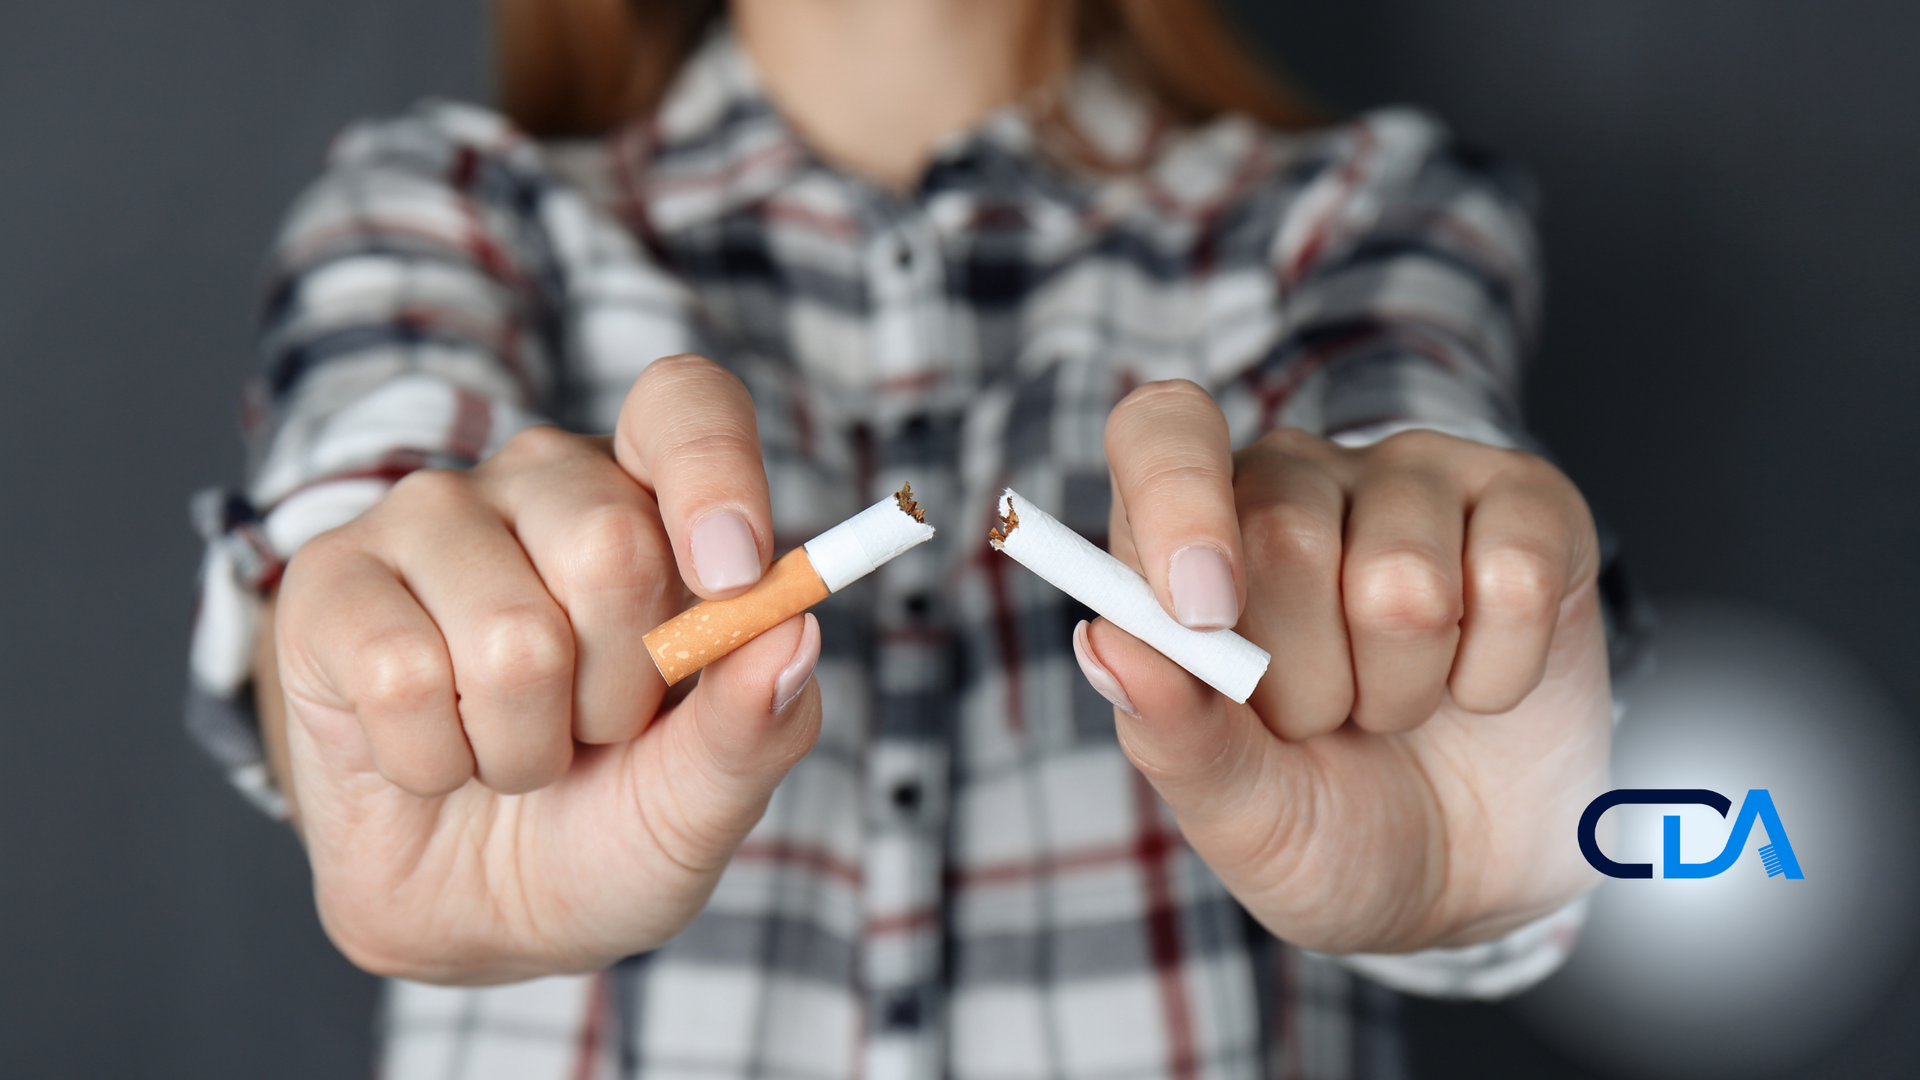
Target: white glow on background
1742 974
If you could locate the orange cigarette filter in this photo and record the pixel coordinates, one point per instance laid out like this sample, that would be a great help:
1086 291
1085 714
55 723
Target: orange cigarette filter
795 582
711 629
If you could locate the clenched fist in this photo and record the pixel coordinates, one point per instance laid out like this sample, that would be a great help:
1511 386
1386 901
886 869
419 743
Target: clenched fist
1410 769
489 779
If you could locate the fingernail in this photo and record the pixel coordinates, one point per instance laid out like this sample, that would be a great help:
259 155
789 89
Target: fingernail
1102 679
1202 588
724 554
793 677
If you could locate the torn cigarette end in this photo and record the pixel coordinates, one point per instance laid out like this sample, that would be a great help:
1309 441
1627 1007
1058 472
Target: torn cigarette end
1008 521
795 582
1069 562
904 499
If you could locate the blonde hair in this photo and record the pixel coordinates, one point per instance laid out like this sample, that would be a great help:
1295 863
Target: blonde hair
584 67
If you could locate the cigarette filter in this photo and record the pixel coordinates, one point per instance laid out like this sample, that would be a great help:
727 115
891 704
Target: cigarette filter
1066 560
795 582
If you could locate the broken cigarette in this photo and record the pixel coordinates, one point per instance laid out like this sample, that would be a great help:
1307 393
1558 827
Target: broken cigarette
1066 560
795 582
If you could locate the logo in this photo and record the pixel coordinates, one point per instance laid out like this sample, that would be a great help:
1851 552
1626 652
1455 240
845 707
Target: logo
1777 855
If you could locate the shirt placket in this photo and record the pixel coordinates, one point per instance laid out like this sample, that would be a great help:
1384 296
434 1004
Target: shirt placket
907 769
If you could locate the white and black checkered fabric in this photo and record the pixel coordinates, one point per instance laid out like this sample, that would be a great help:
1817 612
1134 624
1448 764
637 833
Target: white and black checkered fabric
966 878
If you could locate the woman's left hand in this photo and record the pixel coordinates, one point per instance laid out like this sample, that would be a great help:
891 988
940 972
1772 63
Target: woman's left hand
1409 772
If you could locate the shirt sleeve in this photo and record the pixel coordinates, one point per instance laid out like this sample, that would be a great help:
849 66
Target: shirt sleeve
1493 969
1407 273
408 323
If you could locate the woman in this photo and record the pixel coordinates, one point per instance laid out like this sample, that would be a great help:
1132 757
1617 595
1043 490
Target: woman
1078 248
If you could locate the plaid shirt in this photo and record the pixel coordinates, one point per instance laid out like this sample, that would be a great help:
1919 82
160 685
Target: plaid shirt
966 877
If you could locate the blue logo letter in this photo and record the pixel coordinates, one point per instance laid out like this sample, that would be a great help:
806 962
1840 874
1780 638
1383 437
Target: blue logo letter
1776 855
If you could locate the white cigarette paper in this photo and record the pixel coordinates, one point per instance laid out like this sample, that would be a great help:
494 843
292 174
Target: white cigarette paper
795 582
1066 560
867 541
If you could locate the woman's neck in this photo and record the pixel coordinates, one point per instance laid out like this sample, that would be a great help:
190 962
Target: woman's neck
873 85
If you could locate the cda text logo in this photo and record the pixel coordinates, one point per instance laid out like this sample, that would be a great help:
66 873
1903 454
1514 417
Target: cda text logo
1776 855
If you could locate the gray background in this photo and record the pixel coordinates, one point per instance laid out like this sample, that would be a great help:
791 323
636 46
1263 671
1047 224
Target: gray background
1730 215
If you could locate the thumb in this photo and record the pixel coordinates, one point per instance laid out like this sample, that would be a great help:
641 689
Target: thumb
1202 753
753 716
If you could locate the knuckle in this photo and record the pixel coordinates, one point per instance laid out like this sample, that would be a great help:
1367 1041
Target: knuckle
1522 472
1291 534
1514 582
1530 466
612 548
1418 451
524 647
402 674
535 445
1291 442
427 490
1551 486
322 557
1418 443
1403 593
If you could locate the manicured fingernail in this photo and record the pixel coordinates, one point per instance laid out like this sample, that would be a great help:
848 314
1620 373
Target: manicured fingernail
724 554
793 677
1202 588
1102 679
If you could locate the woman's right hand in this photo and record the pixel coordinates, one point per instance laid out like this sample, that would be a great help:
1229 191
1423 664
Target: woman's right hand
488 782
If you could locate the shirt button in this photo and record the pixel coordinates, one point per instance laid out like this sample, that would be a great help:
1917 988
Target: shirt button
903 1011
903 255
906 797
918 605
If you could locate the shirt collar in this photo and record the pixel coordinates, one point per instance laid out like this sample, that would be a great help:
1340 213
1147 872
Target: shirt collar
716 143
